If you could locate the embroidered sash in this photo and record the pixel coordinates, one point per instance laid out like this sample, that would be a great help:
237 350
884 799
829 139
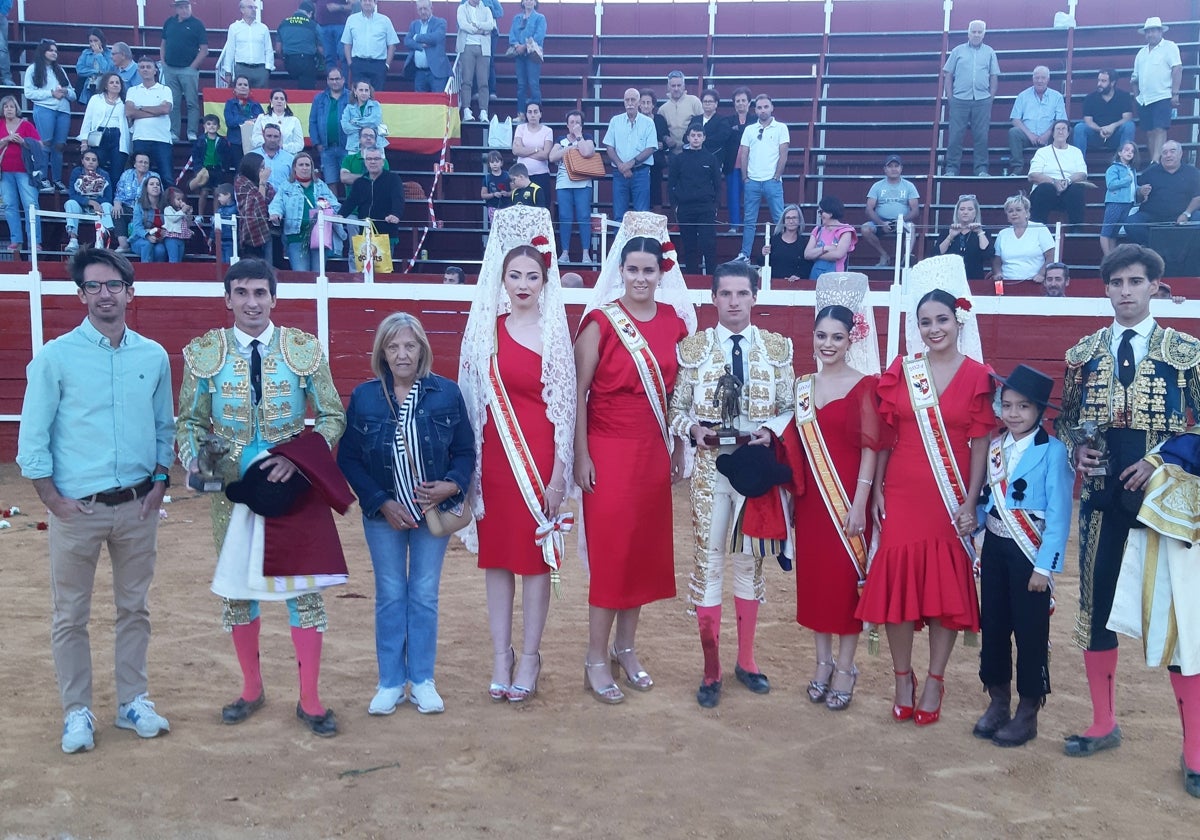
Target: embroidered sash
832 491
549 533
646 364
924 397
1021 526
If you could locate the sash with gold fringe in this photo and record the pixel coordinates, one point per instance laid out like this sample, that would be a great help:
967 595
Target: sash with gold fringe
833 493
1021 525
646 364
549 533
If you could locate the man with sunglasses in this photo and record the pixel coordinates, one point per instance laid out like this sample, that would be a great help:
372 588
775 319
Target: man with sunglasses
96 437
762 159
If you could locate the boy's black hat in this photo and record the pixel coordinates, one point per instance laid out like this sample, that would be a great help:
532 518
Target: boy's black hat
1030 383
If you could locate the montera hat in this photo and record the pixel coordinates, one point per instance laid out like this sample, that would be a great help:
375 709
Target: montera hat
1153 23
753 470
267 498
1030 383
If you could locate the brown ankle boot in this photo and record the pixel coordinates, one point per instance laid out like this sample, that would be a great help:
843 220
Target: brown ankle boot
1023 727
998 713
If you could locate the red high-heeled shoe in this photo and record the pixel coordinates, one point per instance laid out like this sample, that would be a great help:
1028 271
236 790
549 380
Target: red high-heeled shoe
905 712
924 718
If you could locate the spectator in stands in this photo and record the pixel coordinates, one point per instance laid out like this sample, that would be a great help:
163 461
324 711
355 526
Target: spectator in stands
148 106
6 77
1107 116
648 105
253 193
147 232
762 159
275 157
678 111
183 48
695 185
1058 277
474 45
106 113
574 197
1165 293
93 61
227 209
129 187
630 142
299 39
240 108
967 238
47 87
531 144
279 114
363 111
733 145
525 191
891 202
1023 248
497 13
124 64
832 240
454 276
427 64
526 39
353 166
1033 115
971 75
786 248
378 196
1059 173
248 51
293 206
571 280
1169 198
331 16
1121 183
213 155
325 124
16 188
716 126
496 191
1157 75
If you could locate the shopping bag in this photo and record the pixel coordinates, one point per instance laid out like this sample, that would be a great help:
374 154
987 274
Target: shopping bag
373 248
500 133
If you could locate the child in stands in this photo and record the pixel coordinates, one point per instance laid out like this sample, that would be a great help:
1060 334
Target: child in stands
524 191
496 189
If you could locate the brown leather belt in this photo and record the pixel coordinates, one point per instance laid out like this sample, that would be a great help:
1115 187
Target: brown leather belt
113 498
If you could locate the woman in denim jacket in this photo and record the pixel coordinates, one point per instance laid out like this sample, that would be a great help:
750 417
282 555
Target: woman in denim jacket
296 205
394 488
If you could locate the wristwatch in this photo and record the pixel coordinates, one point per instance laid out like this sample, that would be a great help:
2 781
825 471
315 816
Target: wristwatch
163 477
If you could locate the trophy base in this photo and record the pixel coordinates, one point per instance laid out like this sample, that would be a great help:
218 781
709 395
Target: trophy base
1098 470
206 484
726 437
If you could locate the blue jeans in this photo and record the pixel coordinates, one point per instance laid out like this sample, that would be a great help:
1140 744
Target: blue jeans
575 206
73 206
18 193
148 251
408 570
303 258
529 82
53 126
756 191
331 43
1085 135
733 196
634 191
331 165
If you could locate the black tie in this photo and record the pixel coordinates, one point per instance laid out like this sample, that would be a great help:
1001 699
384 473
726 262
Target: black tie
739 367
1125 367
255 371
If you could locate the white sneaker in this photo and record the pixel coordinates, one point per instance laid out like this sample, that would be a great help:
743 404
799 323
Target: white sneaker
386 700
428 701
139 715
586 259
468 115
564 257
78 731
483 117
72 246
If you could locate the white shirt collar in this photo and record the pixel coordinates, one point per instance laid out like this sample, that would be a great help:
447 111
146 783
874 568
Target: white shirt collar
1018 446
243 339
723 333
1143 329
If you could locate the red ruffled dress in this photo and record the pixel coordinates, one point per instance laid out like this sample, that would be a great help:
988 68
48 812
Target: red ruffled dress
826 580
921 570
506 531
627 516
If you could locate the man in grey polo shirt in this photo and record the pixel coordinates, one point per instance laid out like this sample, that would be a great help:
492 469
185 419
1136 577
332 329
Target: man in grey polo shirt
971 74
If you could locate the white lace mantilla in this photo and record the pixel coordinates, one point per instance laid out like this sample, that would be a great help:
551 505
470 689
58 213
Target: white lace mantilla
948 273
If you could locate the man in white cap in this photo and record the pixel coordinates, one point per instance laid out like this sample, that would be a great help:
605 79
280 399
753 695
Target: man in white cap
1157 74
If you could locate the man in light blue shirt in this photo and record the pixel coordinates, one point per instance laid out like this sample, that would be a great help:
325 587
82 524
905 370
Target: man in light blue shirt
631 140
1033 115
369 42
97 428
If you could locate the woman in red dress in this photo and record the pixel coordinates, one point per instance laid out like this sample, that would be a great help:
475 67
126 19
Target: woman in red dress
624 465
519 381
939 406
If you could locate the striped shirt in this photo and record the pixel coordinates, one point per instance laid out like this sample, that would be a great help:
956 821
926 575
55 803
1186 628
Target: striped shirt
408 470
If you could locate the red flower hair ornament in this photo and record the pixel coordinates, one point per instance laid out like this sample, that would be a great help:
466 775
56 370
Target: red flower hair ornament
668 256
543 245
860 330
961 307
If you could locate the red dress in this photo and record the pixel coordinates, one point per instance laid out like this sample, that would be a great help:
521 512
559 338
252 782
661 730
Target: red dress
921 569
628 515
826 580
506 530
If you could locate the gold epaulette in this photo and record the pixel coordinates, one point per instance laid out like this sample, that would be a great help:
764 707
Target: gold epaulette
778 347
1180 350
693 351
206 355
301 351
1079 355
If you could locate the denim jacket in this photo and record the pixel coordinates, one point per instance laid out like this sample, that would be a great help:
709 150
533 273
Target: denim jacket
355 118
318 119
290 203
447 442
